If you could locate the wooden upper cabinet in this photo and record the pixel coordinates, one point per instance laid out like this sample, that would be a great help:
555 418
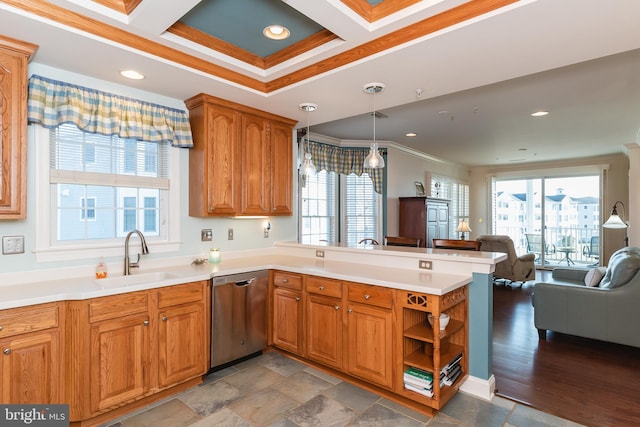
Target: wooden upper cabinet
214 168
242 160
14 55
281 164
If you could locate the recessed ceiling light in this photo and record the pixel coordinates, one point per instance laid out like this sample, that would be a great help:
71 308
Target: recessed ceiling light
539 113
276 32
132 74
411 134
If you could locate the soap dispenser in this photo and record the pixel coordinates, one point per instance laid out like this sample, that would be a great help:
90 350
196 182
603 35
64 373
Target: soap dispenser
101 269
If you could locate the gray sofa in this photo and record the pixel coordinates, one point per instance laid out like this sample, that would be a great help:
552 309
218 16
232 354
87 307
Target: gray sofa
608 312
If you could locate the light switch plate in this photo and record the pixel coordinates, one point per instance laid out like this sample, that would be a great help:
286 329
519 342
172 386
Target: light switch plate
230 234
12 245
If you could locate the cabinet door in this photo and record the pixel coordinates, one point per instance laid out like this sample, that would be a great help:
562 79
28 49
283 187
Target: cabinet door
324 330
182 343
256 169
13 127
287 320
222 167
281 169
120 360
369 332
30 371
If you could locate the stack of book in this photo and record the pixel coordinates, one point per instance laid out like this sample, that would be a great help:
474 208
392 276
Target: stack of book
450 373
419 381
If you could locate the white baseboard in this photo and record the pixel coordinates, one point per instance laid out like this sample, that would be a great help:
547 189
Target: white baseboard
477 387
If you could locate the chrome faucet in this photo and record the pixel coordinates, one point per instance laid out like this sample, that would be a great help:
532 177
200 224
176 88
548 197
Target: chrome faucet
145 250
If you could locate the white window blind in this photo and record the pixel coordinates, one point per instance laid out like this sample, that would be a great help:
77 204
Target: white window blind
361 210
318 209
128 180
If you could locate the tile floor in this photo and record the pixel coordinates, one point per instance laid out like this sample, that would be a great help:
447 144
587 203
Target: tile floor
273 390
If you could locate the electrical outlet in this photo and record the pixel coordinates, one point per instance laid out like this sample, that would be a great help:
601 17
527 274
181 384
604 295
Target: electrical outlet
12 245
320 254
206 235
230 234
427 265
266 233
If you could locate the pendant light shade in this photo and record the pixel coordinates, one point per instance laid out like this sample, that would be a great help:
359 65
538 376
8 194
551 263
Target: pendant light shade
307 168
374 159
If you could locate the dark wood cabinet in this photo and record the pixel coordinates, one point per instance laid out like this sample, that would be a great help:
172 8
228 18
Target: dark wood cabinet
424 217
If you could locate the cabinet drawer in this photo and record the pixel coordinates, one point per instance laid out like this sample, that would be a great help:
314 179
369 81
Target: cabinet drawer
180 294
368 294
331 288
115 306
29 319
285 280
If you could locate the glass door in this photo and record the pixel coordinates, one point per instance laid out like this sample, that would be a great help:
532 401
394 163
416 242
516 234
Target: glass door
557 219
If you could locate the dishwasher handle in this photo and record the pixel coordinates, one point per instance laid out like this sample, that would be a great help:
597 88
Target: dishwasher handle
243 283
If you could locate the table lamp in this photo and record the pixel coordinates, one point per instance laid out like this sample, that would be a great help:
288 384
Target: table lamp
615 221
463 227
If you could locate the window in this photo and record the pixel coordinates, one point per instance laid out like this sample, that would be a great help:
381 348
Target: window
318 209
88 208
358 210
95 200
458 193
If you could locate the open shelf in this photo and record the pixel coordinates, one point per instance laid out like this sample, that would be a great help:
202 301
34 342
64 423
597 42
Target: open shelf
424 332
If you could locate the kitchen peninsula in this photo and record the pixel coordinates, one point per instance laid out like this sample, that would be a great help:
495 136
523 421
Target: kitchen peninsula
383 278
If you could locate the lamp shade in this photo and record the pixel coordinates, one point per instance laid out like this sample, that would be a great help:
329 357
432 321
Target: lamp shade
615 221
463 227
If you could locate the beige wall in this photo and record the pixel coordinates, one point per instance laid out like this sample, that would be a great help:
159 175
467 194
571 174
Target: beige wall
615 187
404 168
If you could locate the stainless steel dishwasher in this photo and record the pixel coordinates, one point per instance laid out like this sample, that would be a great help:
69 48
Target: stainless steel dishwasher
239 316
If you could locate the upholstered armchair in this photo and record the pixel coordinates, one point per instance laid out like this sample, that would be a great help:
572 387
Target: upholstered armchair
515 268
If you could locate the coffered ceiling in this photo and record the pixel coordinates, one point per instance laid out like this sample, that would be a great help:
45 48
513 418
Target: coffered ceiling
463 75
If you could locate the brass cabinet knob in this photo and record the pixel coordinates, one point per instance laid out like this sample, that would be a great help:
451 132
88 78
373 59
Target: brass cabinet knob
367 296
321 288
349 310
285 280
297 298
7 351
145 323
164 318
337 307
0 327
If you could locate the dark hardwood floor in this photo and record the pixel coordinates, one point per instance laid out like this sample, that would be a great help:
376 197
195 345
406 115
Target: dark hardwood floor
587 381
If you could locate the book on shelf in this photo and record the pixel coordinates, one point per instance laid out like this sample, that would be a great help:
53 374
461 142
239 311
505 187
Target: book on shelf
419 373
455 361
450 378
418 383
421 391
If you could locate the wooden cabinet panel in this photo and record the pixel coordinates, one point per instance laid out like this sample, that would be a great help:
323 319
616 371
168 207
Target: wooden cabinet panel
256 165
14 55
322 286
182 344
372 295
324 330
29 319
286 280
287 319
30 370
281 166
370 348
120 359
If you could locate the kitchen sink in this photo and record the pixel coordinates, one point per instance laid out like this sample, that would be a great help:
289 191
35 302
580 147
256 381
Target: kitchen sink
137 279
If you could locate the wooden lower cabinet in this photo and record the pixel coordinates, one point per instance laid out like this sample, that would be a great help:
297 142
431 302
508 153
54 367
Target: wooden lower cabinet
372 334
370 350
287 319
120 355
31 369
131 346
324 321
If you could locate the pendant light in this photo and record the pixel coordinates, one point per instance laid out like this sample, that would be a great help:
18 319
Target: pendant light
307 168
374 160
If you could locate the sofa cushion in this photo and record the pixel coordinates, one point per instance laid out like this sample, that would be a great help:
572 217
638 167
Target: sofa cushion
623 265
594 276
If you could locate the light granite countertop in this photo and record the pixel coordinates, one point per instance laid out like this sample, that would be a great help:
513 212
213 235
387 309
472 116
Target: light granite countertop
389 270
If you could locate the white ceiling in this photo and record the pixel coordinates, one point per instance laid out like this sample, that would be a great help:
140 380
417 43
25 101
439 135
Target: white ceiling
489 73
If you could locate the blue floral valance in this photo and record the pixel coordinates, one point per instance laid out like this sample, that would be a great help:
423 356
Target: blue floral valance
52 103
344 160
